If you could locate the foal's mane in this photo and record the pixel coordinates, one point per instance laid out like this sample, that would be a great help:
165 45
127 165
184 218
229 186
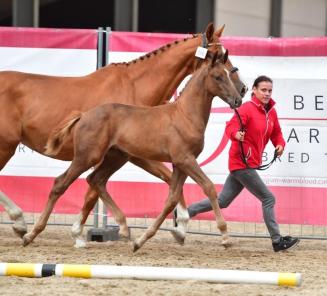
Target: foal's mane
155 52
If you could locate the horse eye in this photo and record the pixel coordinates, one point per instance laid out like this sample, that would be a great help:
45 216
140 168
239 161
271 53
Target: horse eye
218 78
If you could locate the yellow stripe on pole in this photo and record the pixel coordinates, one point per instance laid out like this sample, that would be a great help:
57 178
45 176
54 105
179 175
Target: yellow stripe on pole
77 270
288 279
21 269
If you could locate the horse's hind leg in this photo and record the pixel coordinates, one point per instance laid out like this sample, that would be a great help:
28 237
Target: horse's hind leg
175 190
159 170
7 150
98 180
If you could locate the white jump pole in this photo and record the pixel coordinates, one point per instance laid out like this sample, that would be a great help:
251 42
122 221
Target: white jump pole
151 273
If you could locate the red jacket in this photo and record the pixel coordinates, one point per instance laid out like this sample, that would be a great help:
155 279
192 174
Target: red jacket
260 126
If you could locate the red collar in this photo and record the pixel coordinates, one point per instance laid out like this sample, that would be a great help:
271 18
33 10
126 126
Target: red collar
258 103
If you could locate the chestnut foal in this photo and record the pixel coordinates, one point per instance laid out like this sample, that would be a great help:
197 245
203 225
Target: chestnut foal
168 133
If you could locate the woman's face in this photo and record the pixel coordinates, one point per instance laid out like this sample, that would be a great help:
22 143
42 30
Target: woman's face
263 91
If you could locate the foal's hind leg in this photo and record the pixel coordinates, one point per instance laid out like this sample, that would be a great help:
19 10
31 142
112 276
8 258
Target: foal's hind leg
114 160
60 186
98 180
7 150
159 170
175 190
192 169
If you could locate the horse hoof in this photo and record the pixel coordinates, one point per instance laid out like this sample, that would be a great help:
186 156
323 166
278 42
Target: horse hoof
178 236
80 243
226 242
26 240
20 231
124 235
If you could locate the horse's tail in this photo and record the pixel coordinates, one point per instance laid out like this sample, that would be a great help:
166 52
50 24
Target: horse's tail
58 135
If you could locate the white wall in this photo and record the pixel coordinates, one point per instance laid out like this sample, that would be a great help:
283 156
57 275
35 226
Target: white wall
252 17
243 18
304 18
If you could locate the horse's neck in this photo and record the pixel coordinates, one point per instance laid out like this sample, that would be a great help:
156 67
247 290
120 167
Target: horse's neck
195 102
156 77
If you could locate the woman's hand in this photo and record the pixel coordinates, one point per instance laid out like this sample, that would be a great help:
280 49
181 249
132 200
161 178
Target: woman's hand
240 136
279 149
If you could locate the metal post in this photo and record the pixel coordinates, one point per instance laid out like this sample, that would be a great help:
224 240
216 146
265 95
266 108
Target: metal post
123 15
204 14
23 13
135 16
275 18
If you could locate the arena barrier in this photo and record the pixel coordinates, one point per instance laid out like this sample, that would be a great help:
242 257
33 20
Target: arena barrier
151 273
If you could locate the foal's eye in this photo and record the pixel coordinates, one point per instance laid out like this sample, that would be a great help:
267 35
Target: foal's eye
218 78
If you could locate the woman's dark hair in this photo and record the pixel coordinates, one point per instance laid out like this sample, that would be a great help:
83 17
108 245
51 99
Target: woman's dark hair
261 79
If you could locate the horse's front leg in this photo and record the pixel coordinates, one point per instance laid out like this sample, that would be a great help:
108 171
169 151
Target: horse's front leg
175 190
192 169
159 170
114 160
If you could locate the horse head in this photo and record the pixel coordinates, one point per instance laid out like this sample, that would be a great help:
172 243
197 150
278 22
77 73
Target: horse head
219 82
211 42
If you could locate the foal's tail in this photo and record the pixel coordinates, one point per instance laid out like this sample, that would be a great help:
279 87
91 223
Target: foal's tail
58 135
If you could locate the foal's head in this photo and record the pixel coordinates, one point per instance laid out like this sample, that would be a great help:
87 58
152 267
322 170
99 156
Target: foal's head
211 41
218 81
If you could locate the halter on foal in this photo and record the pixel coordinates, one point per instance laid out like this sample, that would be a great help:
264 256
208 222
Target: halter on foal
171 133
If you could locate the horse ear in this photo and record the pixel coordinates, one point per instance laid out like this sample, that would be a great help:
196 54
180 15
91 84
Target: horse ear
209 32
220 31
214 59
225 57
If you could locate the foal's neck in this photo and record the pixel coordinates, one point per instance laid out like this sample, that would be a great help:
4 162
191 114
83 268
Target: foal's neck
195 101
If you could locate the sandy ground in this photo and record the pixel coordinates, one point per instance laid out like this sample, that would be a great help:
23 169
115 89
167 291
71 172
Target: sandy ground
54 245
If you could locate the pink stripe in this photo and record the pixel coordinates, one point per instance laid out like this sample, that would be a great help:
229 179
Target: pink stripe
141 42
299 118
294 205
48 38
239 46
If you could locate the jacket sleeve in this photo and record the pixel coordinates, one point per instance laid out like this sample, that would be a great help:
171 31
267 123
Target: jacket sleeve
276 135
233 126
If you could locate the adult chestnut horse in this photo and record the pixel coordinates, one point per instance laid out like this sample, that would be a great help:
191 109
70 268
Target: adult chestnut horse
32 105
172 133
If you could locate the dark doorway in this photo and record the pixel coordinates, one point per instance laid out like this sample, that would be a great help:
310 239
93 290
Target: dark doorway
167 16
83 14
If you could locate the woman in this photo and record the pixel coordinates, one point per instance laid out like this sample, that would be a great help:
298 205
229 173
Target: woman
260 122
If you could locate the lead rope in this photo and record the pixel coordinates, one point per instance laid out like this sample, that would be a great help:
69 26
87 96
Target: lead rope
260 168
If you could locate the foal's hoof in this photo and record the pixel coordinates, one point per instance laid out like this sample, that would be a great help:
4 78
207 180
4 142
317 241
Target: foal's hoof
136 246
27 240
178 235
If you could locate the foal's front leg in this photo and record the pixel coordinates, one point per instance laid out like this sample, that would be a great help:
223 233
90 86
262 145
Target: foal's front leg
159 170
175 190
191 168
